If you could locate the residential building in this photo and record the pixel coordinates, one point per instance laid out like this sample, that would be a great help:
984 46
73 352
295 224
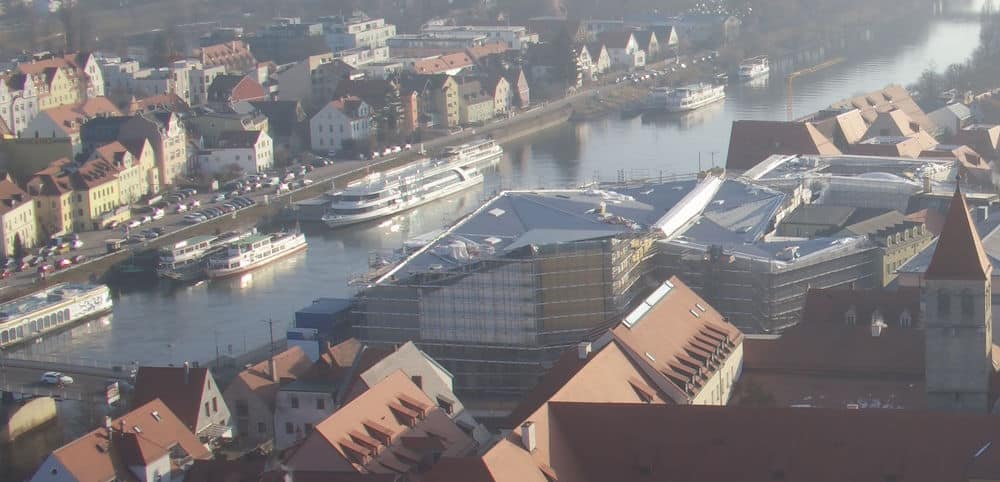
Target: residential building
585 63
392 428
251 396
381 95
55 202
199 76
148 443
18 223
520 91
550 29
288 39
163 129
356 32
64 122
71 78
449 64
132 175
20 100
234 56
958 317
358 57
623 49
315 78
497 87
191 394
951 118
437 96
247 151
287 124
347 119
600 60
984 139
229 89
383 70
169 102
457 40
210 125
118 75
648 42
515 37
893 97
475 104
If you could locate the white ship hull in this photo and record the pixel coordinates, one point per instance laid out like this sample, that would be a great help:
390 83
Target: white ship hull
755 74
288 246
77 303
696 105
340 220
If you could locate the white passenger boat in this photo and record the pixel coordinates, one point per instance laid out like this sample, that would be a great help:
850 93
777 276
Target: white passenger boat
755 67
254 251
51 309
384 194
685 98
183 260
479 153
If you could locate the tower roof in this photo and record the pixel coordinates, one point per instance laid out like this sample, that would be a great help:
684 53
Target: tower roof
959 253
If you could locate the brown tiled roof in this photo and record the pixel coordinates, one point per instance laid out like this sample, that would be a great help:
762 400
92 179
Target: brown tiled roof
594 49
179 392
443 63
984 139
830 305
373 91
959 253
477 53
289 364
53 180
752 141
354 438
96 458
349 105
70 117
11 195
887 147
889 98
678 335
168 101
757 388
616 39
832 347
933 219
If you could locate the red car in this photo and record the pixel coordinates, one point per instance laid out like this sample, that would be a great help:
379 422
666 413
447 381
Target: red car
64 263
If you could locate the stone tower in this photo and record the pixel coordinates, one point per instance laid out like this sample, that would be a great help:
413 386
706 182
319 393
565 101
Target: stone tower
958 319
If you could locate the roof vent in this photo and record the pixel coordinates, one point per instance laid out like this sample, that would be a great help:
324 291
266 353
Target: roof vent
528 436
496 212
583 350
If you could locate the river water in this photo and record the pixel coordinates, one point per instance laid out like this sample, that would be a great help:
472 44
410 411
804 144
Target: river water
169 325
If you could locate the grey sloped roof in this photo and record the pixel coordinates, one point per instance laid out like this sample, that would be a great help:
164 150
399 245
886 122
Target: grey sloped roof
518 219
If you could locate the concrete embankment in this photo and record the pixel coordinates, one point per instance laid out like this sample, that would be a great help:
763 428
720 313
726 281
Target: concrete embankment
33 414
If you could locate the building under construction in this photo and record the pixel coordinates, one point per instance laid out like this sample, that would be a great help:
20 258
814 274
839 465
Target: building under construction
500 295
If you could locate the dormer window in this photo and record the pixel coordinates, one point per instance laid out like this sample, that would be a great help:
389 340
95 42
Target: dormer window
904 319
851 316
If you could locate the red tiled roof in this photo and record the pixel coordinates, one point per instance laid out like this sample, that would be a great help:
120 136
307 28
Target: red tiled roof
933 219
225 471
179 392
959 253
443 63
96 458
169 101
884 100
752 141
11 195
830 305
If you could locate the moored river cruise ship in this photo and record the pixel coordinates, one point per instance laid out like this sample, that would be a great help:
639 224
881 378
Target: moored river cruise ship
51 309
253 252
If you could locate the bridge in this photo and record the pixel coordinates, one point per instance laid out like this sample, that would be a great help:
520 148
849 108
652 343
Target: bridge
21 374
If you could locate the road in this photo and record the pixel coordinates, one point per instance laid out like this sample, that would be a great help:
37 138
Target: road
26 381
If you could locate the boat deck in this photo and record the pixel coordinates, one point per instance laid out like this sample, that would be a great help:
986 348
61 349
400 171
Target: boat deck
39 300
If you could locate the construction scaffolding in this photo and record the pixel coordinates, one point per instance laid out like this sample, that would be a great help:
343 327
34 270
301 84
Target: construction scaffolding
764 294
497 321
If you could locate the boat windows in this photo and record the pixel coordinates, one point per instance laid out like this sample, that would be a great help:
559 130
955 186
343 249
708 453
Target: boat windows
356 197
20 331
66 314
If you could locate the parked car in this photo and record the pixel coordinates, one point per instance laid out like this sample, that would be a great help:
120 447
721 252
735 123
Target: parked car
45 268
135 223
113 224
158 214
79 259
218 198
181 208
56 378
7 273
64 263
76 244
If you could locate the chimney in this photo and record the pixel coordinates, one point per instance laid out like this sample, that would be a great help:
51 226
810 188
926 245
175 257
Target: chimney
187 373
528 436
271 369
583 350
107 423
927 184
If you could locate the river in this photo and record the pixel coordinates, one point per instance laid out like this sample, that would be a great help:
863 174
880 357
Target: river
170 325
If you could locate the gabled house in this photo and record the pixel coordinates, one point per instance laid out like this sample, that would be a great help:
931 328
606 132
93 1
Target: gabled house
287 123
392 428
951 118
496 86
248 152
599 57
585 62
438 98
648 42
520 91
623 49
379 94
982 138
234 56
449 64
348 119
191 394
227 90
148 444
163 129
18 224
251 396
64 122
475 104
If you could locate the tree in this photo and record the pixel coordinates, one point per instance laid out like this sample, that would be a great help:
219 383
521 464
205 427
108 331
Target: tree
19 250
